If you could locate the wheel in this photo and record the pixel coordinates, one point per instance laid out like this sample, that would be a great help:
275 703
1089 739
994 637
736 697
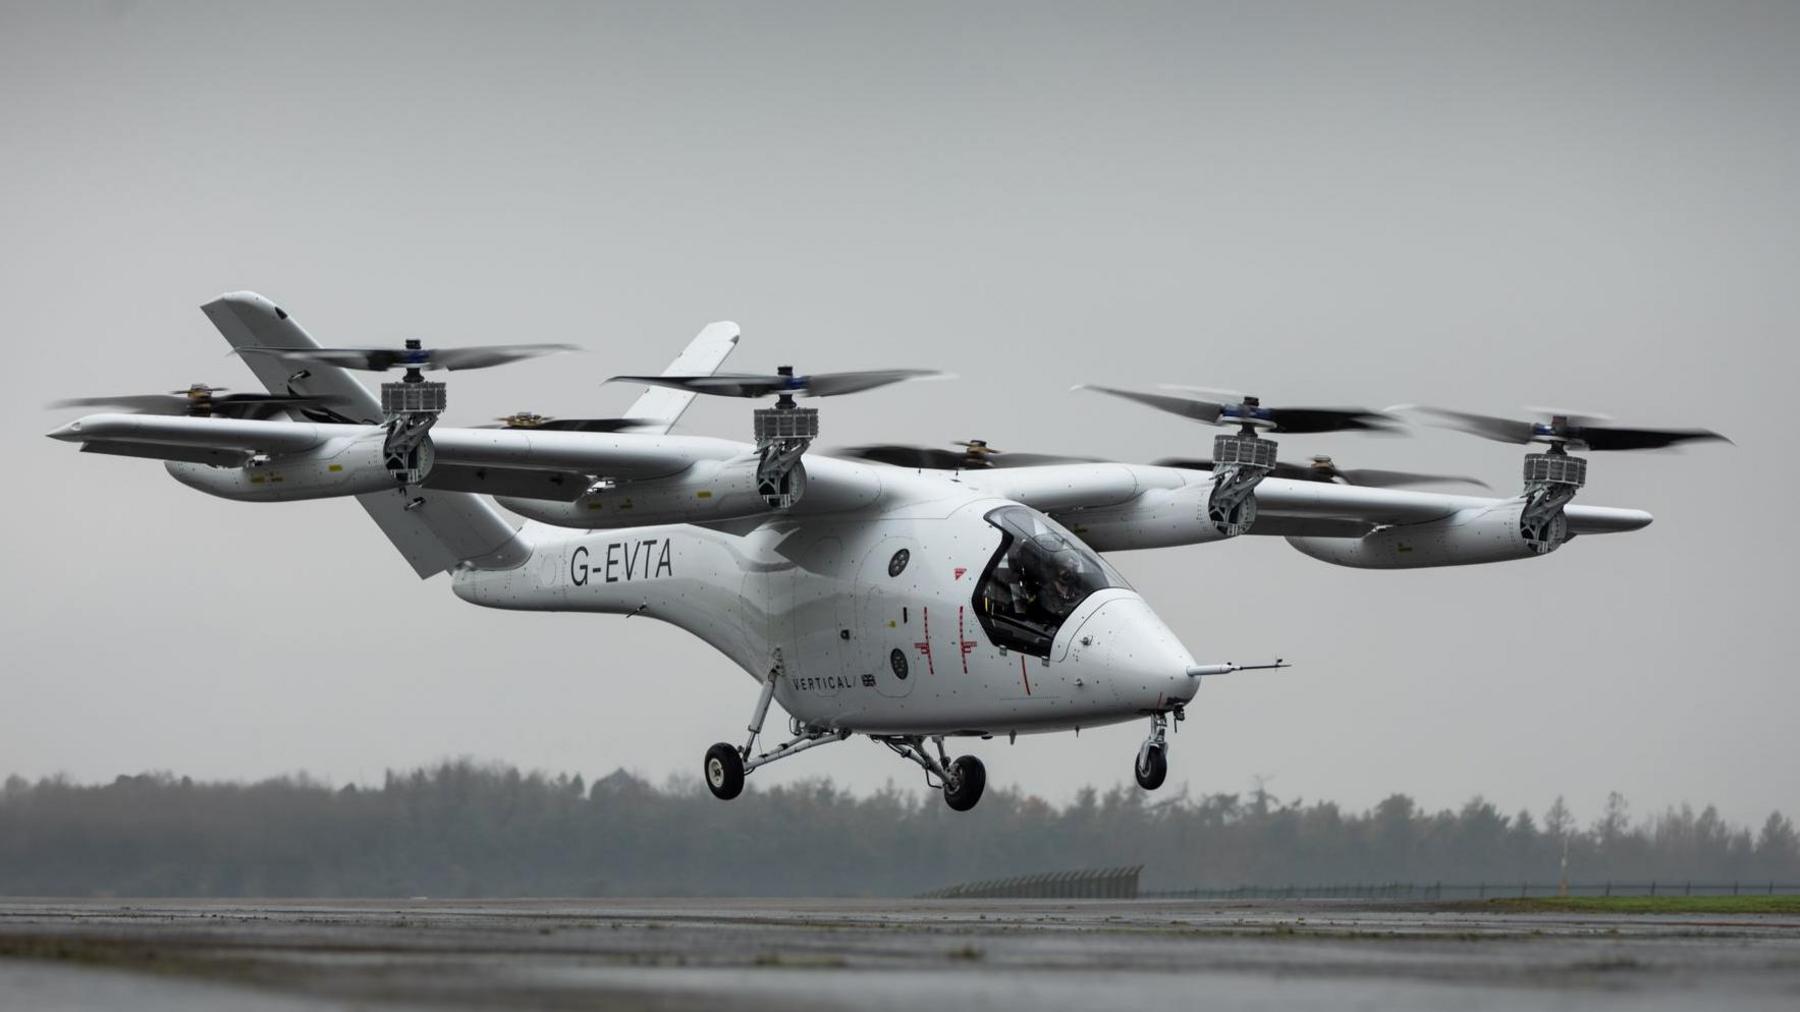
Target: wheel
724 771
1152 767
968 779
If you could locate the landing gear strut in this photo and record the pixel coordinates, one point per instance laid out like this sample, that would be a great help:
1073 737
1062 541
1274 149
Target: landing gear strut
962 779
727 764
1152 766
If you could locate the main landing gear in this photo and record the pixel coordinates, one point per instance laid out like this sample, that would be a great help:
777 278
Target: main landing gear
727 765
962 779
1152 766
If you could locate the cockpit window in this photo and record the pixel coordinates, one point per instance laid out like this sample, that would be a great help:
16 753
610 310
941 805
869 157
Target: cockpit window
1035 580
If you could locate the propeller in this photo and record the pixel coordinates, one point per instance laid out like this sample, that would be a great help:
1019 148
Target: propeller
199 401
1250 413
548 423
1322 468
1577 432
413 357
783 382
974 455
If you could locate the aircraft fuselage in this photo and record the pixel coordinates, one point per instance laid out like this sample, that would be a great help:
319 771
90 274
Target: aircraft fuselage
875 622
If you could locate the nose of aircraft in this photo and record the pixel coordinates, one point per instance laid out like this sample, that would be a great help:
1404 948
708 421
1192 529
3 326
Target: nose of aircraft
1127 644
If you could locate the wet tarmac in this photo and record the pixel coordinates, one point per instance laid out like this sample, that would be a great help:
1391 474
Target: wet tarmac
826 954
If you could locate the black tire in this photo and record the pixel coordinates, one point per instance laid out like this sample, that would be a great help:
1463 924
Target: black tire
968 779
1152 768
724 771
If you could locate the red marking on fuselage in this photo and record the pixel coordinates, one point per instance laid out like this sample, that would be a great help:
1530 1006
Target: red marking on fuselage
960 570
924 645
964 645
1023 675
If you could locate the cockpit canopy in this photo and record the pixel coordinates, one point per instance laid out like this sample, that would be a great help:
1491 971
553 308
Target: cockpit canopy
1036 579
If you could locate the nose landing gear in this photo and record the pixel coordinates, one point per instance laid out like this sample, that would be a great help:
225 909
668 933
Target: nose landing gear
968 777
1152 766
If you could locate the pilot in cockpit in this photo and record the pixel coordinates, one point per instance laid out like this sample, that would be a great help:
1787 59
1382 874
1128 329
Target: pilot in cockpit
1049 571
1063 591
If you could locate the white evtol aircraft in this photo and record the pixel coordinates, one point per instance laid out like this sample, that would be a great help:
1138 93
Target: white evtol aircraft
904 594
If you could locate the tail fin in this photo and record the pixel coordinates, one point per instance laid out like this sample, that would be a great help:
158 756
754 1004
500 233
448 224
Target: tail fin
447 528
659 407
249 320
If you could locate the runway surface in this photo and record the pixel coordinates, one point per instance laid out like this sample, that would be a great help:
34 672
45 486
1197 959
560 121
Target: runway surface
912 955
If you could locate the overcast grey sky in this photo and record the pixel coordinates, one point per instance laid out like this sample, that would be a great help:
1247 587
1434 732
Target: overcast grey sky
1479 205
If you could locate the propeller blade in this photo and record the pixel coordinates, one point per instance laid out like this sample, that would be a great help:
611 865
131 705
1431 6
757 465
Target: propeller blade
1598 437
1186 407
831 384
144 404
1366 477
717 385
1249 411
261 406
930 458
1574 417
824 384
1012 459
487 356
253 406
383 359
1503 430
1328 420
918 457
574 425
1578 431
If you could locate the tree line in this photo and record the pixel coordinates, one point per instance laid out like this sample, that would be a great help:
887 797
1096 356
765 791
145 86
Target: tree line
467 829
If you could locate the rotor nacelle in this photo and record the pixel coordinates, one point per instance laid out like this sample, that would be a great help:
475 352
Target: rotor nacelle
1244 458
1467 537
786 430
411 406
1553 477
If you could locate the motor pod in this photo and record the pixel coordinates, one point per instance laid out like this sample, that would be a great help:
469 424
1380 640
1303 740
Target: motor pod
1466 537
709 490
340 467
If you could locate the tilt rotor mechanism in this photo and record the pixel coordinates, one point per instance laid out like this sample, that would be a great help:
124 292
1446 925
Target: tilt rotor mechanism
784 431
411 406
1554 476
1242 459
199 401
